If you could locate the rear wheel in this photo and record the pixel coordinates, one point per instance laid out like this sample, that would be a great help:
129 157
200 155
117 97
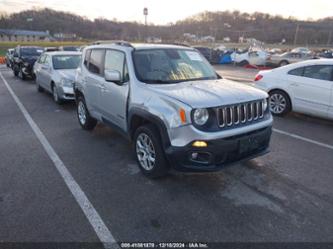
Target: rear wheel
86 121
279 103
149 152
283 63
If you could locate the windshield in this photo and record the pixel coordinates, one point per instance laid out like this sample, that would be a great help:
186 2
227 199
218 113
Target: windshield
66 61
171 66
31 51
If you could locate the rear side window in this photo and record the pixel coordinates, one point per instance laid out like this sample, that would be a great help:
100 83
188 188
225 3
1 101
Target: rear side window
297 71
320 72
87 57
96 62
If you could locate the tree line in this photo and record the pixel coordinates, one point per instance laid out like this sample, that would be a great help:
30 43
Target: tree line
220 24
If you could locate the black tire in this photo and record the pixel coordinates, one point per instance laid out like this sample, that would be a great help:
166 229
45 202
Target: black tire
161 166
284 98
15 71
283 63
55 95
39 88
89 123
21 74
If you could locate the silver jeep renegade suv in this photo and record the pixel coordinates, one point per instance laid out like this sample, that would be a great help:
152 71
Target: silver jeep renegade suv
170 102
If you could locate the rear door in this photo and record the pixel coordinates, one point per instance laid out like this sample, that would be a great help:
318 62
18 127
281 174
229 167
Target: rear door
113 95
94 79
312 89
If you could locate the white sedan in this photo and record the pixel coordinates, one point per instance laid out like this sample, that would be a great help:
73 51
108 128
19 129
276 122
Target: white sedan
305 87
55 73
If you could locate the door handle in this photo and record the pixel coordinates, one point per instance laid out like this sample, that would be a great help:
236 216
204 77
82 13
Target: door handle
102 87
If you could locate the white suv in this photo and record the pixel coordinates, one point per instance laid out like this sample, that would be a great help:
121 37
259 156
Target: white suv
170 102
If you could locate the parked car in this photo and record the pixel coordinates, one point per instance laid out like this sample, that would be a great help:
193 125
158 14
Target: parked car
301 50
55 73
326 54
206 52
257 58
23 60
9 57
288 58
305 87
170 102
69 48
51 49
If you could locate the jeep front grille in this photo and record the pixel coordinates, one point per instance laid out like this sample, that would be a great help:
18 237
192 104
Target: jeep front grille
240 114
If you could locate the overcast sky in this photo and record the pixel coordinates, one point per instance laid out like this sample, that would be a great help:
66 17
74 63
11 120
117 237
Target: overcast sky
165 11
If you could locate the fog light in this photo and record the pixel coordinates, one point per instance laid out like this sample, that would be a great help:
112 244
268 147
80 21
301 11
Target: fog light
199 144
194 156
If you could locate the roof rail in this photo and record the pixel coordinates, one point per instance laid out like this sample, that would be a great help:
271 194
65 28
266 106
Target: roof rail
116 42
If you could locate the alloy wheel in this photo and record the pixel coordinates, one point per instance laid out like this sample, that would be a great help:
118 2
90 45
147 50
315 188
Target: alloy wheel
145 151
278 103
81 110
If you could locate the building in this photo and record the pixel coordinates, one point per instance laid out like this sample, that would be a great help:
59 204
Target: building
17 35
65 36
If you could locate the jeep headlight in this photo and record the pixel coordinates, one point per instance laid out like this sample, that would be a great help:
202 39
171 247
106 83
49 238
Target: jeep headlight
265 105
66 82
200 116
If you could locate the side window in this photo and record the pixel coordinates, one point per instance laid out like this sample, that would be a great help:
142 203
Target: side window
46 60
320 72
41 59
297 71
115 60
96 62
87 57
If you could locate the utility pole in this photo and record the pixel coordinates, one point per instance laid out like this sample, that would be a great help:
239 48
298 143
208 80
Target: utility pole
296 34
329 38
145 13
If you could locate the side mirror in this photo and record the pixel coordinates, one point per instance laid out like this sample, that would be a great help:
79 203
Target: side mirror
113 76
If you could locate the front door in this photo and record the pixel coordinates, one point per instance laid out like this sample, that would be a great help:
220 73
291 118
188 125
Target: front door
114 95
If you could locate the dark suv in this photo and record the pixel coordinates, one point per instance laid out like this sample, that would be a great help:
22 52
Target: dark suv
24 59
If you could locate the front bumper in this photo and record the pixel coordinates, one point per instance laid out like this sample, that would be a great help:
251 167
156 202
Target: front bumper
27 70
66 93
220 152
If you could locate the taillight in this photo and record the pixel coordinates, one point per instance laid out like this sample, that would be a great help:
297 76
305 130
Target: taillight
258 77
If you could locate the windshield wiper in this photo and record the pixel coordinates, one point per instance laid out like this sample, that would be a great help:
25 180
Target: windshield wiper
157 81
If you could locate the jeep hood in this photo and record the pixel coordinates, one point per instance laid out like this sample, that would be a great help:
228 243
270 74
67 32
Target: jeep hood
209 93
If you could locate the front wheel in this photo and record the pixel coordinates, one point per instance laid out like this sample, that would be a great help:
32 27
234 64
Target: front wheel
279 103
149 152
86 121
21 74
55 95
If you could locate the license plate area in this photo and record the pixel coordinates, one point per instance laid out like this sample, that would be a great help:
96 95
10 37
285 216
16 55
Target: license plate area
247 145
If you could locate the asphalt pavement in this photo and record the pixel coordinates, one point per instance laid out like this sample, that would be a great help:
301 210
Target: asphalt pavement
284 196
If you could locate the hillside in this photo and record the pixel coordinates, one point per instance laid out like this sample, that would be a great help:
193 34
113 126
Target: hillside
267 28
